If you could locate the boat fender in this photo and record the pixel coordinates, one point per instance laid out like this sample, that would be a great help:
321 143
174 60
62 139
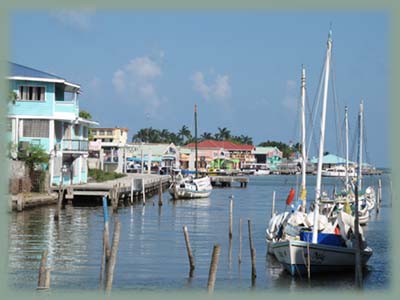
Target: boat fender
290 197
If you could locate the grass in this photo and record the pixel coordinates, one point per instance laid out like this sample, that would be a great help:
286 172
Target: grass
100 176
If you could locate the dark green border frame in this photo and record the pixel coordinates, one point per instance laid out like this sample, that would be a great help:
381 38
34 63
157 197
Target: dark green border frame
392 7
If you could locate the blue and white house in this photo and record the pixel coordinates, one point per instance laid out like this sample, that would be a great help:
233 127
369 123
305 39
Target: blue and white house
46 113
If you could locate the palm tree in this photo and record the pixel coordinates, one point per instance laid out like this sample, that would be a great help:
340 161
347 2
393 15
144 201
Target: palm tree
165 136
206 136
140 136
223 134
184 133
247 140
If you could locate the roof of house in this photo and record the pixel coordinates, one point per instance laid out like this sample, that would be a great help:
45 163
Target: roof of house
17 71
331 159
24 71
265 150
213 144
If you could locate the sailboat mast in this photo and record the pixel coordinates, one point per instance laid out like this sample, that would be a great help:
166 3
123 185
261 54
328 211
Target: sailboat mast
195 139
346 120
303 139
360 148
322 139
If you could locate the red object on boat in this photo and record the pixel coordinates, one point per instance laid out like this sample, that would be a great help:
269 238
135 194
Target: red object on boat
290 197
337 230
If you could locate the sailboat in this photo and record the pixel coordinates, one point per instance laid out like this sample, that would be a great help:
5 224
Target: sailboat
329 246
344 199
189 187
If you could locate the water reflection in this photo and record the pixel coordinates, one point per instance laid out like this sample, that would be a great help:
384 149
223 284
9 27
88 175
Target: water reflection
152 253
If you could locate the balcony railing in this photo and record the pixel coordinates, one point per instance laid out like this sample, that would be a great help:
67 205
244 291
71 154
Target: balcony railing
75 145
65 106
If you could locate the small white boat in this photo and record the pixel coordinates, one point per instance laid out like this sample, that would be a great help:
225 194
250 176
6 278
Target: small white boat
339 171
189 188
260 172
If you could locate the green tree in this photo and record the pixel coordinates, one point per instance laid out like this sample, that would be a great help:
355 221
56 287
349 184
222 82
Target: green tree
34 156
85 115
223 134
12 97
206 136
185 134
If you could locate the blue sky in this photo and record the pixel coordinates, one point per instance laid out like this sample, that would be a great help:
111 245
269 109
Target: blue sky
148 68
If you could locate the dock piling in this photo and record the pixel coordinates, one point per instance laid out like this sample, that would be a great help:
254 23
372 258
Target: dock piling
189 251
143 192
230 216
253 255
213 268
106 247
113 256
160 200
132 191
42 272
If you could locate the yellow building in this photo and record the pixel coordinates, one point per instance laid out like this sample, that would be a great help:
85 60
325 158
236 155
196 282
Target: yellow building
111 135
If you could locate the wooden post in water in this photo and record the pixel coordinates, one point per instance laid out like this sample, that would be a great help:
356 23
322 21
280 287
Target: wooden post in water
358 269
47 280
230 216
213 268
380 192
160 200
143 192
273 205
106 247
59 203
132 191
253 255
189 251
240 241
42 271
113 256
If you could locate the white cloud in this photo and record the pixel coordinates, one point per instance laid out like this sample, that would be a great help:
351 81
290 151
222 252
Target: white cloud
143 68
136 82
220 89
80 20
200 85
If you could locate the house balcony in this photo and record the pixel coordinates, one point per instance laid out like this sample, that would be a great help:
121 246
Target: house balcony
66 107
75 145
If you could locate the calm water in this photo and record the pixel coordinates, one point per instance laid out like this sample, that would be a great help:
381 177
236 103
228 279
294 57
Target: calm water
152 253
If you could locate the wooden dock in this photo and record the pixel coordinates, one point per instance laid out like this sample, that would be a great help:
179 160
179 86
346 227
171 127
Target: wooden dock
128 188
226 181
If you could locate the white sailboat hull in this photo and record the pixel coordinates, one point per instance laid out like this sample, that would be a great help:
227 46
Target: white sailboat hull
198 188
293 256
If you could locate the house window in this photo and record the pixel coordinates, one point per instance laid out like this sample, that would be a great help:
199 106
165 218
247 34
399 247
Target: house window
76 130
31 93
85 132
36 128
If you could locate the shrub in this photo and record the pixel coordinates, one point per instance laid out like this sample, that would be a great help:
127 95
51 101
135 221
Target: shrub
100 176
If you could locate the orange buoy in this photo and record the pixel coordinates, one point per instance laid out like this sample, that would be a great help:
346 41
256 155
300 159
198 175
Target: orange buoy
290 197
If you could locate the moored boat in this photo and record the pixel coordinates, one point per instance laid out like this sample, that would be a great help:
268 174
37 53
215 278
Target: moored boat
189 188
